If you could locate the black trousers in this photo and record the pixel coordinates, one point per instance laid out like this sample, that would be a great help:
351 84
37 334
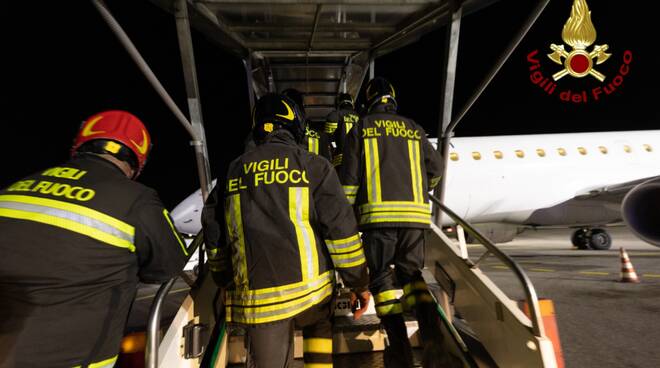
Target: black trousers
270 345
404 249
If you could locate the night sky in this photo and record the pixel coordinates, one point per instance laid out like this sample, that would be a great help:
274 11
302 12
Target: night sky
63 64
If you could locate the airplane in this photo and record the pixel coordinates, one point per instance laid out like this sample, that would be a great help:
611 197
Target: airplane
571 180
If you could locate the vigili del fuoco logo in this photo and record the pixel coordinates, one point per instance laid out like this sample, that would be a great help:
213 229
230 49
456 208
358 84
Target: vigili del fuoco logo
577 58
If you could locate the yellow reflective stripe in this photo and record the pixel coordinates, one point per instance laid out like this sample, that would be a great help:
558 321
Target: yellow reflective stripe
317 345
216 268
395 217
330 127
346 249
416 171
349 126
350 189
234 220
388 309
212 252
349 259
420 178
299 215
318 365
373 169
435 181
176 233
108 363
415 285
81 210
278 294
70 225
337 160
414 299
386 207
345 245
385 296
413 171
313 145
353 263
351 192
253 315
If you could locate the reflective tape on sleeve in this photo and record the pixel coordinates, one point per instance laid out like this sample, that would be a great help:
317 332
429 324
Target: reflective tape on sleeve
346 245
69 216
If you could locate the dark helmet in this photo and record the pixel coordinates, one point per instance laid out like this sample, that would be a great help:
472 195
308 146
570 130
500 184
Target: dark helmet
115 132
379 90
273 112
296 96
344 100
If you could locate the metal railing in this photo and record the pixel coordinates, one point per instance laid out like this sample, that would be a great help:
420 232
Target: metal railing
528 288
153 325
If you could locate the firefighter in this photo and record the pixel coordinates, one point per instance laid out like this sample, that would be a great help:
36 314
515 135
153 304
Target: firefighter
76 239
315 141
288 227
339 123
388 168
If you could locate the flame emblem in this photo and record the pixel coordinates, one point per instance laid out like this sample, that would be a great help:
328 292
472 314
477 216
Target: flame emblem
579 33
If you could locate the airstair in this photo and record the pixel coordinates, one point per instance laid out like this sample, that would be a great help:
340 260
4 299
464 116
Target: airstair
481 326
322 48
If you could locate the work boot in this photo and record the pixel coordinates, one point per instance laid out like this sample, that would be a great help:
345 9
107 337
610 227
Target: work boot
398 353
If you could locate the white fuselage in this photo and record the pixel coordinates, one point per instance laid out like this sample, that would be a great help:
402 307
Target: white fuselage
489 181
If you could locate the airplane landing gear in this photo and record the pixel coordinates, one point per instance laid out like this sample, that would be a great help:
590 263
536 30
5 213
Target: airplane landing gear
580 239
597 239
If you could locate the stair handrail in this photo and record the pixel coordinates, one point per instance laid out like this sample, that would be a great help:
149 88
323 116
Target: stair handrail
530 293
153 324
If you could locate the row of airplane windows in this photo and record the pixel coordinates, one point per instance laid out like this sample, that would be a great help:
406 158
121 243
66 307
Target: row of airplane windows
541 152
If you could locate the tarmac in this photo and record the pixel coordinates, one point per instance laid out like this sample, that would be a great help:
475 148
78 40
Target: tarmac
602 322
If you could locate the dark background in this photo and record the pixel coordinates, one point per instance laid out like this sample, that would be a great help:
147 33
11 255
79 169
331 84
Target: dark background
61 64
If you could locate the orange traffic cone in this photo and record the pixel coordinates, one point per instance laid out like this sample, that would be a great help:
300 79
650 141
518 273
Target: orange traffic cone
627 271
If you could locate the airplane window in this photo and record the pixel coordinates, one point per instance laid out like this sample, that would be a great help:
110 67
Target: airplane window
453 156
561 151
476 155
648 148
498 154
582 150
520 153
540 152
603 149
627 148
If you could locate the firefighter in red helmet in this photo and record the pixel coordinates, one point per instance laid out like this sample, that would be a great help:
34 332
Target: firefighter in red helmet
76 239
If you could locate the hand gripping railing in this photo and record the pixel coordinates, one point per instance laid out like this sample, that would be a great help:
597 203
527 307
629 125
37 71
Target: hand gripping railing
153 326
530 293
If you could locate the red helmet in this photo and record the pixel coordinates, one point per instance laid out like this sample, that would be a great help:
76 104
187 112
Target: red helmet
118 126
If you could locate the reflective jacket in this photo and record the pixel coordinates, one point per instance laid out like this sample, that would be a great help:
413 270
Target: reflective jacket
76 239
389 167
317 143
338 124
287 225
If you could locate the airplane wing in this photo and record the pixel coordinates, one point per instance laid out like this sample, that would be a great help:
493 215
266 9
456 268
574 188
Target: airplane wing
612 193
592 207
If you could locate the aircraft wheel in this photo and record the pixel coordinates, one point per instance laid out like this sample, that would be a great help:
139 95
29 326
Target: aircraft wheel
600 239
580 239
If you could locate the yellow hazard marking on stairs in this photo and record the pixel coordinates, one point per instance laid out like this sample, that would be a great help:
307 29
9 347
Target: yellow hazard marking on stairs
651 275
501 267
541 270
